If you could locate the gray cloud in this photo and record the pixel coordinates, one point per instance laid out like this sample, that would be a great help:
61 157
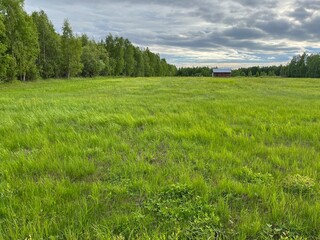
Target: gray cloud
300 14
199 32
276 27
255 4
308 4
313 27
244 33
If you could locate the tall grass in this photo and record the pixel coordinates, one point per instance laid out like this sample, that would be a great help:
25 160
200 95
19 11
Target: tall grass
159 158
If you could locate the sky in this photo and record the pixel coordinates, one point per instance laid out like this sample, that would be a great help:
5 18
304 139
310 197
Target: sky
222 33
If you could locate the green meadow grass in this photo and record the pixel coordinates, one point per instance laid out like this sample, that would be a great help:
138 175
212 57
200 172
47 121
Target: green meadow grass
160 158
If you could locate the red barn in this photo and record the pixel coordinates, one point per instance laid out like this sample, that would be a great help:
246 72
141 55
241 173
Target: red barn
221 72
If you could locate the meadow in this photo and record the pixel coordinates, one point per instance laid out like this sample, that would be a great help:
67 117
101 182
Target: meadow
160 158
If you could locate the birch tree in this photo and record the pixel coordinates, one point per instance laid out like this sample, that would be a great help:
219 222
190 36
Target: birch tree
48 60
22 39
71 52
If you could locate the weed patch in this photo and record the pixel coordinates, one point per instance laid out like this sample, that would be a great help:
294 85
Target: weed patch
298 184
279 232
248 175
178 207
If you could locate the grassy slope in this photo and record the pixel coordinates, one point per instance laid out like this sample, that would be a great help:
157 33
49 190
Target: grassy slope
160 157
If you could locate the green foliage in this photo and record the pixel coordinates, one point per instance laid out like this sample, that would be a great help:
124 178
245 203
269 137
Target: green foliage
90 58
7 62
139 63
118 56
22 41
313 66
110 47
304 66
2 36
48 61
258 71
129 58
7 68
271 73
104 60
263 74
71 52
125 59
178 207
299 184
247 175
278 232
195 71
147 63
29 47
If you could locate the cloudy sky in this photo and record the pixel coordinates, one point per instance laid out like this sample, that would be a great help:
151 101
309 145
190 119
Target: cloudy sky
219 33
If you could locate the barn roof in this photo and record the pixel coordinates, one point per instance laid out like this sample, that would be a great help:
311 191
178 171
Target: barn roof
222 70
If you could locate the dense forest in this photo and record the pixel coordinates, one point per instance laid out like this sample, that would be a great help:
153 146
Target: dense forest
31 48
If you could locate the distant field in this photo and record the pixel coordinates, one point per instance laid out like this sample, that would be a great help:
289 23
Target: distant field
160 158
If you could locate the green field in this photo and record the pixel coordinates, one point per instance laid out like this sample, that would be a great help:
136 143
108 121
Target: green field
160 158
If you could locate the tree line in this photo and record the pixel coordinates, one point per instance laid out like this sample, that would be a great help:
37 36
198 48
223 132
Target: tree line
257 71
31 48
195 71
304 65
300 66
